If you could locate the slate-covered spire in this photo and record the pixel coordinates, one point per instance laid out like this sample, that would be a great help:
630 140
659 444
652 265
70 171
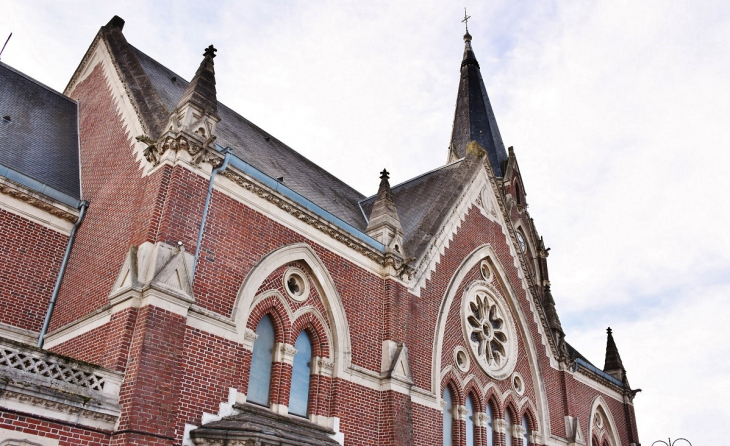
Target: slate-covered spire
384 224
613 365
201 90
474 119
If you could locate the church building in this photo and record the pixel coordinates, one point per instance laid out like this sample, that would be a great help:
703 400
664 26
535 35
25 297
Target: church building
172 274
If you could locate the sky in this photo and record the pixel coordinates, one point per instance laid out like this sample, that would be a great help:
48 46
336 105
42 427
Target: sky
617 111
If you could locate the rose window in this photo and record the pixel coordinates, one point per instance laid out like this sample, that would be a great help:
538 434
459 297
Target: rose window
489 330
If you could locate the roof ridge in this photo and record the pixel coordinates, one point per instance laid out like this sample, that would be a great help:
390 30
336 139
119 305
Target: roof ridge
36 81
252 124
415 178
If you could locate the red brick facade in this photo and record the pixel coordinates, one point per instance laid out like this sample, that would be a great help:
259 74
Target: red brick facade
177 368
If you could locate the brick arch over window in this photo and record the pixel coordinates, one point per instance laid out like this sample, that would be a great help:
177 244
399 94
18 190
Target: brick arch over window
299 252
609 425
272 304
521 317
308 319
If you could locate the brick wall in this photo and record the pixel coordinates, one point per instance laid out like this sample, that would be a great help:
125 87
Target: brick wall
30 258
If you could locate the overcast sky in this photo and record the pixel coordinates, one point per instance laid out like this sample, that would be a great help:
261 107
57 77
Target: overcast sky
618 112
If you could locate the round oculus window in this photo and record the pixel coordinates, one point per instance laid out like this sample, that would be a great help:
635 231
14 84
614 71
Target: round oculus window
489 330
296 284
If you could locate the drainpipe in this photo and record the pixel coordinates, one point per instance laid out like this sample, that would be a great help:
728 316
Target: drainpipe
213 174
52 304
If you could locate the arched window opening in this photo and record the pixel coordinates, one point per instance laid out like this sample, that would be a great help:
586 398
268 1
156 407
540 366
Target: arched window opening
300 376
525 431
508 440
490 425
262 360
448 418
518 193
470 424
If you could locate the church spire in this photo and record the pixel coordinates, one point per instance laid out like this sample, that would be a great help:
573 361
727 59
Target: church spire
384 224
474 119
201 90
613 365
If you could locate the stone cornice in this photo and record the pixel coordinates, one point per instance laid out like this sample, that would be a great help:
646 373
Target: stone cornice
309 218
527 275
38 200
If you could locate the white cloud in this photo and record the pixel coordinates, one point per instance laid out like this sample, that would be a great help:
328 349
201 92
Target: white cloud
617 110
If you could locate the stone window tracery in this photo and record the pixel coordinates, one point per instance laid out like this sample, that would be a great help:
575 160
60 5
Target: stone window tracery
489 330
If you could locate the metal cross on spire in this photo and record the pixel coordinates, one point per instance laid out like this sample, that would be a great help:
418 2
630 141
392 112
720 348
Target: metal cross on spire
466 21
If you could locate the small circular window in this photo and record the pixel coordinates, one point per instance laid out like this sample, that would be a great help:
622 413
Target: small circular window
486 271
517 383
296 284
461 358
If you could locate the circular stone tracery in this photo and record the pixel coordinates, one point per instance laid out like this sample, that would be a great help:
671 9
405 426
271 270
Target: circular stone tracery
489 330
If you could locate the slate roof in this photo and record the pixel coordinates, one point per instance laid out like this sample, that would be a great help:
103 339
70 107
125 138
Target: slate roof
474 118
266 153
40 139
425 201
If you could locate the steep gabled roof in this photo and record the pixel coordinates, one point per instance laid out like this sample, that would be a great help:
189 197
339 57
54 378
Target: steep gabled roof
39 138
424 202
263 151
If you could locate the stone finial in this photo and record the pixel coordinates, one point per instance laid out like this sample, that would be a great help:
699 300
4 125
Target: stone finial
384 224
613 365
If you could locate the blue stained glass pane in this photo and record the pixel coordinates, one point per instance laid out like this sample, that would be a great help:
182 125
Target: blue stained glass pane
526 435
261 363
469 422
448 419
490 426
508 434
299 396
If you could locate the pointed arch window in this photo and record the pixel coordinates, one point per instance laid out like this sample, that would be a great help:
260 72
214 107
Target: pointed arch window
448 418
300 376
490 425
470 425
508 433
525 431
262 360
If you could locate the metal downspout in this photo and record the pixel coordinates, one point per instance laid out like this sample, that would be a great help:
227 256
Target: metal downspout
213 174
52 304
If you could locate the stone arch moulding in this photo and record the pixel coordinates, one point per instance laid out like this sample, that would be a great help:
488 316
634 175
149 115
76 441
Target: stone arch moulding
610 430
521 318
299 252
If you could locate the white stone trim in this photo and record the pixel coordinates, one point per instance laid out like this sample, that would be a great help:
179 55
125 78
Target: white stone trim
18 334
82 326
321 366
461 351
609 425
303 278
520 318
98 54
481 419
33 213
10 435
284 353
500 425
281 409
605 390
460 412
340 347
286 219
518 383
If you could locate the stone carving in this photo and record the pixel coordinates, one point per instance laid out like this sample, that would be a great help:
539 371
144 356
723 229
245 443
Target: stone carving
19 194
57 406
315 222
489 330
199 153
325 365
29 363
